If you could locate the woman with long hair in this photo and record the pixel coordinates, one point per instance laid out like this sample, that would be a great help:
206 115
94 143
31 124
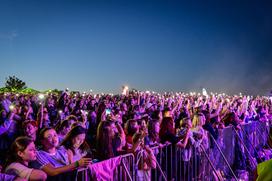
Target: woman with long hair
21 153
200 142
131 127
167 130
153 127
110 139
75 144
167 133
199 134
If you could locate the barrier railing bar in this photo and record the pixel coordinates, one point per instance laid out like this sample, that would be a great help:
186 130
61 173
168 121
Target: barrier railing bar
240 139
224 157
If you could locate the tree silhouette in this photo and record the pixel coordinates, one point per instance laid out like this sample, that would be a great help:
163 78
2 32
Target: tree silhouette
13 83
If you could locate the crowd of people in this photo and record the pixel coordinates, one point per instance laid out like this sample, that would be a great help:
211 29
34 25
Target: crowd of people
50 136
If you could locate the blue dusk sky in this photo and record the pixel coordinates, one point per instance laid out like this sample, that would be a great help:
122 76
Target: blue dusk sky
224 46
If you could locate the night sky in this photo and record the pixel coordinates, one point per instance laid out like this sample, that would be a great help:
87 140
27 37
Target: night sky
224 46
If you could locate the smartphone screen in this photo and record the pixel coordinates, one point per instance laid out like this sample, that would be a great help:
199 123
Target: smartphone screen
108 111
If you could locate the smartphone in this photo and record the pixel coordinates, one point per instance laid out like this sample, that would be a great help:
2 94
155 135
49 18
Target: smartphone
11 107
95 160
108 111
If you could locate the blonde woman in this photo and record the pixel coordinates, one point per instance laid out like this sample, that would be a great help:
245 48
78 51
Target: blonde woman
200 135
200 142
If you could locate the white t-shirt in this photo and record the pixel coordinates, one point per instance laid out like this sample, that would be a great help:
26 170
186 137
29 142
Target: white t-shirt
19 170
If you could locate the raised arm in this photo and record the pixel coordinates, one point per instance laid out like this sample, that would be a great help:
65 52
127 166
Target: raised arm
177 105
41 117
182 143
122 133
6 124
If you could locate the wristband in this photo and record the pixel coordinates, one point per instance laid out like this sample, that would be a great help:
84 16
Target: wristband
76 164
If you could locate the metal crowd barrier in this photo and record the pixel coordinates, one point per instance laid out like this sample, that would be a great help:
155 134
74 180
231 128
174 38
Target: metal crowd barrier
241 149
124 171
185 165
231 157
222 163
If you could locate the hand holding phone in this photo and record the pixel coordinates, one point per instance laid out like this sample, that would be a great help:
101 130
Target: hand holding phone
108 112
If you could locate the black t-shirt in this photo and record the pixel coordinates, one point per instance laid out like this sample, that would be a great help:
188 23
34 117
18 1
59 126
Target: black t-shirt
169 137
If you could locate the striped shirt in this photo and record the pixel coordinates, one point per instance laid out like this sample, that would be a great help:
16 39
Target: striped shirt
59 159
